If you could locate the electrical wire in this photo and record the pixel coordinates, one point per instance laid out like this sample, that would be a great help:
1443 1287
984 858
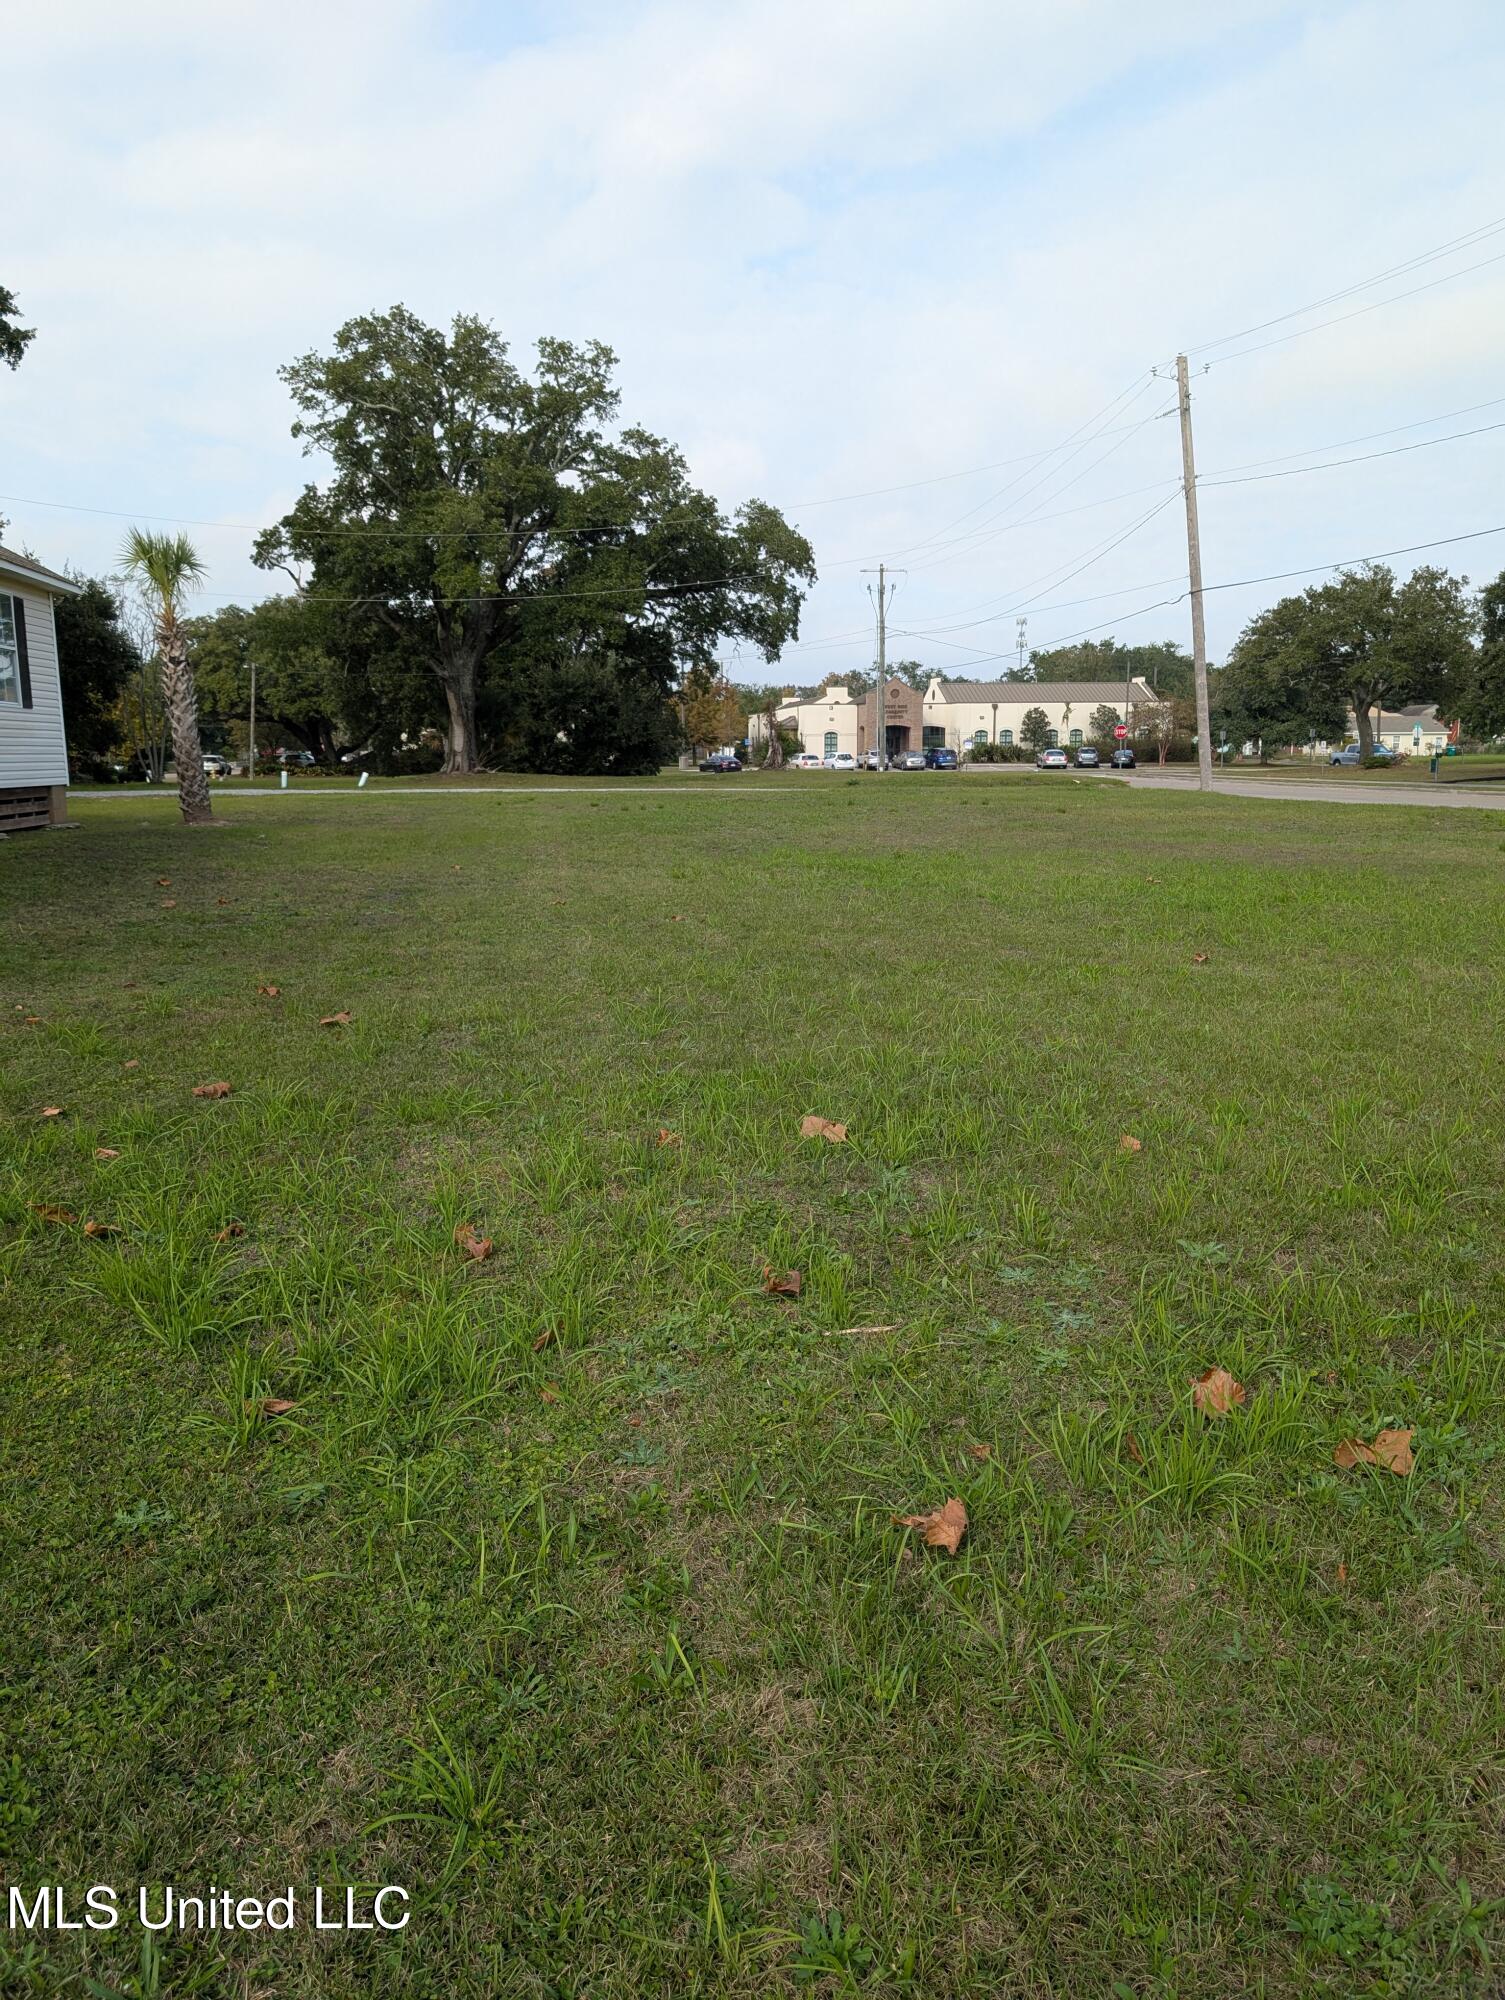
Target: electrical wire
1361 458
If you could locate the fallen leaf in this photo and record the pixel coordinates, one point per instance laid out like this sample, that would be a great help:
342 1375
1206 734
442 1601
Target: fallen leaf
223 902
666 1137
134 1063
164 881
211 1090
106 1153
1342 1572
1214 1392
277 1406
1129 1144
979 1451
169 902
230 1230
942 1527
891 1326
786 1286
93 1228
472 1242
1391 1451
548 1335
1199 958
1131 1446
271 992
676 920
340 1020
549 1394
50 1212
33 1020
51 1111
812 1126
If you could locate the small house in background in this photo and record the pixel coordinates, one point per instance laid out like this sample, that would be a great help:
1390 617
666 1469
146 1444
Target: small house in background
33 750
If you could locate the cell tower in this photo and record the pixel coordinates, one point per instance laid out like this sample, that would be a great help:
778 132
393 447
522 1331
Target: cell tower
1021 627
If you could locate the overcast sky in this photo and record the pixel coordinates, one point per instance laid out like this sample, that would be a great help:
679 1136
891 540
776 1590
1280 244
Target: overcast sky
836 247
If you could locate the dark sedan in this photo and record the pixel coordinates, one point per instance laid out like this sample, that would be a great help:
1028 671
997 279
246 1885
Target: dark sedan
1122 758
723 760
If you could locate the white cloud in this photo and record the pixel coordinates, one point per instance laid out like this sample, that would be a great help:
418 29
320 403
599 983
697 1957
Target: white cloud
835 248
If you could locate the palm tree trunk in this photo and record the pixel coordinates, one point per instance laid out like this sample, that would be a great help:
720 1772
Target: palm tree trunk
182 713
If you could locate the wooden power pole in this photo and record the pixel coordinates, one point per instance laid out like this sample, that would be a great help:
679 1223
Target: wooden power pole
1194 573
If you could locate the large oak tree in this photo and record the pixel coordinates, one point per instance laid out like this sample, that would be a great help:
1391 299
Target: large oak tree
486 520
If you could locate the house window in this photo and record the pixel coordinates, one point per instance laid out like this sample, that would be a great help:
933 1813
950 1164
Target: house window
1052 739
830 742
1076 739
1006 736
981 736
13 687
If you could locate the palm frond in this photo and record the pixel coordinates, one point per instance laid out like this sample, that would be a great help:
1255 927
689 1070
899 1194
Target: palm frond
166 565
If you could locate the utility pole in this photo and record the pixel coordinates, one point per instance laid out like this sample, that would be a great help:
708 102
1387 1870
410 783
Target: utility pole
885 592
251 754
1194 575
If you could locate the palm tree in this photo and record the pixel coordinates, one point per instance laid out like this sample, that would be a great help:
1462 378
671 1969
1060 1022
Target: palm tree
166 567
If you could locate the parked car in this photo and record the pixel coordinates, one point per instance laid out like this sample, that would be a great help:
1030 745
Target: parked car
1087 758
806 761
868 761
1349 755
721 760
216 766
942 760
1122 758
840 760
910 760
1051 760
294 760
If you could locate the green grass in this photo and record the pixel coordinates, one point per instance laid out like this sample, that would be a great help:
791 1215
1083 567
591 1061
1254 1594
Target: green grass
569 1594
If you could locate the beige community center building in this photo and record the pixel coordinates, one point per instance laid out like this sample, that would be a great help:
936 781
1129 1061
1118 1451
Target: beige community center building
953 715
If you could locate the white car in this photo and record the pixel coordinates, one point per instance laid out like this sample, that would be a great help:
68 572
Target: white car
806 761
842 760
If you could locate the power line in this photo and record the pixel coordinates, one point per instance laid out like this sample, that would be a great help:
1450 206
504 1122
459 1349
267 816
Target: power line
1366 437
1361 458
1422 258
1339 319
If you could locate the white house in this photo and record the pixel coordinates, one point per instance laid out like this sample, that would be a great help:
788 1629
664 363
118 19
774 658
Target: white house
33 751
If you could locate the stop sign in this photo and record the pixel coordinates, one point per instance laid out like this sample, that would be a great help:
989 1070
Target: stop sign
1120 730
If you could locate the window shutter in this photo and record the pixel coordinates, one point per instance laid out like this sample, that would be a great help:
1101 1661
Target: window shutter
18 611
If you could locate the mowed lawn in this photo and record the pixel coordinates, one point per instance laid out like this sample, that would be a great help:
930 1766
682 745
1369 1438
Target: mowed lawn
569 1593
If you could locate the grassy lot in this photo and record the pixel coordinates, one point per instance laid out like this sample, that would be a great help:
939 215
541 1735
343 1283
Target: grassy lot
569 1593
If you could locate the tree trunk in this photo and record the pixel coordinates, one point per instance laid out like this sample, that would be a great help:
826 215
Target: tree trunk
459 684
1366 732
182 714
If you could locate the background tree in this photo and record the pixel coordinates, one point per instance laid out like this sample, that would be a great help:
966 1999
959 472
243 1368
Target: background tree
1104 721
1358 641
1480 700
14 338
1034 728
96 659
773 733
166 567
711 710
298 681
1268 691
479 518
913 674
1165 665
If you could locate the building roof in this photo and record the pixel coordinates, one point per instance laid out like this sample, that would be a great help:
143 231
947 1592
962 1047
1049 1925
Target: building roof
1057 692
13 563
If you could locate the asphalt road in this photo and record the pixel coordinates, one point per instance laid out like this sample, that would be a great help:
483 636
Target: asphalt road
1335 791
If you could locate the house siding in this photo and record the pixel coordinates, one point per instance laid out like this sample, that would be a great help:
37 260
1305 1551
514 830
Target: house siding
33 748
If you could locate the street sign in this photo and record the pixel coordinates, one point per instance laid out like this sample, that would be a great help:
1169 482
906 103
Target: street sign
1120 730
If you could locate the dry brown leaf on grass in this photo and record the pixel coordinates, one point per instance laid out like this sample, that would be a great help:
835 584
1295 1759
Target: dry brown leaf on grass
545 1339
1199 958
1342 1572
550 1393
169 902
942 1527
164 881
271 992
276 1406
1131 1446
979 1451
49 1211
133 1063
812 1126
93 1228
1129 1144
51 1111
1391 1451
340 1020
472 1242
211 1090
666 1137
784 1284
33 1020
223 902
1214 1392
106 1153
230 1230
